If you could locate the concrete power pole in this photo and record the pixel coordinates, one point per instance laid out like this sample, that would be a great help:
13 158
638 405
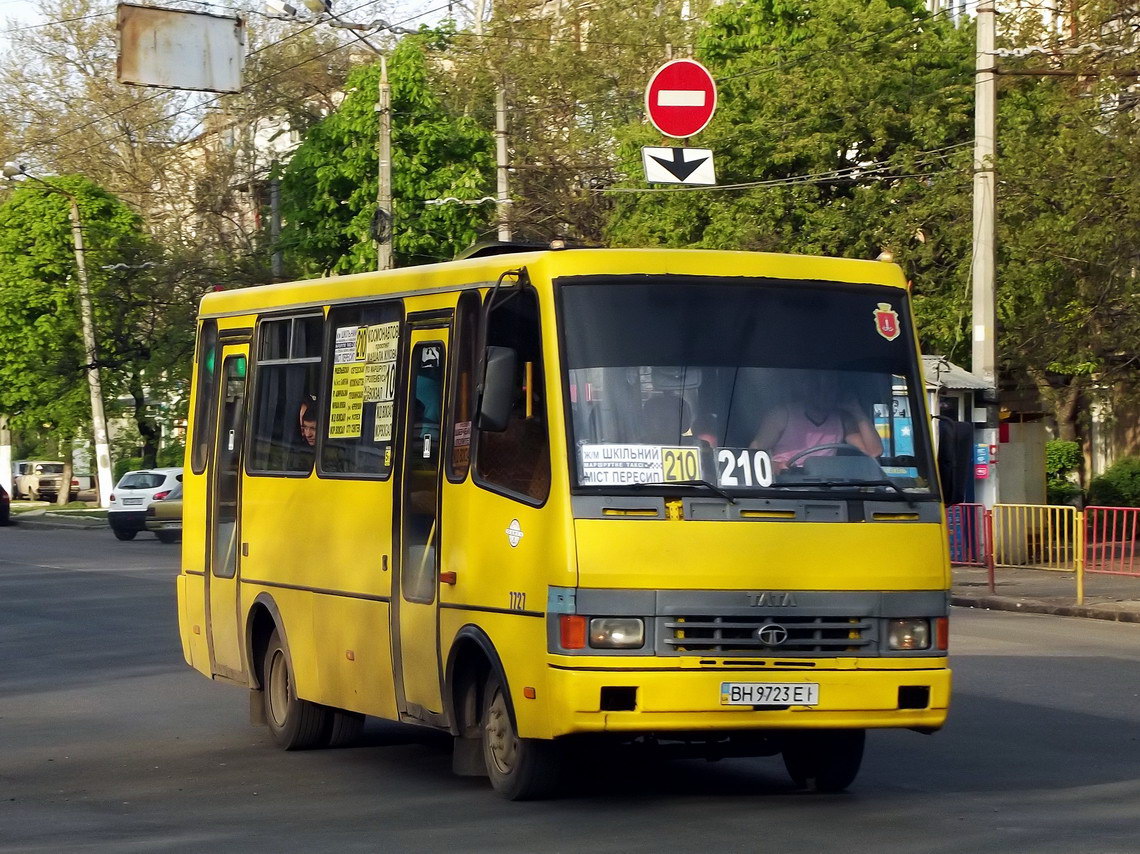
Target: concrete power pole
5 455
384 218
984 350
503 197
98 418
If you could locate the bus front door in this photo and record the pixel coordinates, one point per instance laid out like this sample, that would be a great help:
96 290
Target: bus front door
223 501
416 610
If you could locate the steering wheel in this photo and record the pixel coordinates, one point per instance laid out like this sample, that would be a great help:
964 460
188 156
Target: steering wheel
826 446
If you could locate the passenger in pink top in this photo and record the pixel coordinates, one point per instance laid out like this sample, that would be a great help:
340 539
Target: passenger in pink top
819 416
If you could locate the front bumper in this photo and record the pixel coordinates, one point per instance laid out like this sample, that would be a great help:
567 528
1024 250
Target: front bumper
676 700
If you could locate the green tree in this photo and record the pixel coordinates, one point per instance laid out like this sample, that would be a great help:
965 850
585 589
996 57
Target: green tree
329 186
143 310
834 117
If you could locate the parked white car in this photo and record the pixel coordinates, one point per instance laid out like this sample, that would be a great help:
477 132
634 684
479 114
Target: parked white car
134 493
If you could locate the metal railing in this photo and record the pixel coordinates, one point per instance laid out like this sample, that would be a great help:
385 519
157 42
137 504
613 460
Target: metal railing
969 535
1112 534
1100 540
1037 536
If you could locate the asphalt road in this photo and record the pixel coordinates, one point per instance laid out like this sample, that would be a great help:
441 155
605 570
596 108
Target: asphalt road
109 742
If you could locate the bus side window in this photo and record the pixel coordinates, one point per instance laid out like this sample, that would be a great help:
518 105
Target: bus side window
359 399
461 411
206 395
288 372
517 459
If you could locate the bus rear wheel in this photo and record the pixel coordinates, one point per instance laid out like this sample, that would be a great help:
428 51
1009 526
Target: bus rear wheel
295 724
520 769
345 728
827 759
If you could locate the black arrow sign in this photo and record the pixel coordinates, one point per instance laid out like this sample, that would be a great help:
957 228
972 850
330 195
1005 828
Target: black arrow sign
678 167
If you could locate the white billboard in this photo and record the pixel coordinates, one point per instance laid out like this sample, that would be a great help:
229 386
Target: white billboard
174 49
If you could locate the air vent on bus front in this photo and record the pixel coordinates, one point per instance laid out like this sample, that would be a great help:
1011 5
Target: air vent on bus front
722 634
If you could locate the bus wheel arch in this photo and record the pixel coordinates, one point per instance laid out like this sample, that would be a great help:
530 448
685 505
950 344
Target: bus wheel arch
260 623
469 663
483 720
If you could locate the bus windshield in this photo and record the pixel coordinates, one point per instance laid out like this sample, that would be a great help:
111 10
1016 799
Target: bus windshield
748 385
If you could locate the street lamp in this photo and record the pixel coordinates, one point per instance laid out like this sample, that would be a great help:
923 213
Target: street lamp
98 419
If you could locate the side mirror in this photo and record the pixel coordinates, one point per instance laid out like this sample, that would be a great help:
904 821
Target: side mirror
500 364
955 439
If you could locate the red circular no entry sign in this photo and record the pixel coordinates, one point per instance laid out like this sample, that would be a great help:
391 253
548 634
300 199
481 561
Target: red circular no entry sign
680 98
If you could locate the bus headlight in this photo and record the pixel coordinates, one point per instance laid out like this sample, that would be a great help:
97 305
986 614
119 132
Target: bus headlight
911 633
617 633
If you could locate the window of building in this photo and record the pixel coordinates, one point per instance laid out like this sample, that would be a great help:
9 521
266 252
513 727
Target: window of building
517 460
286 407
461 412
360 398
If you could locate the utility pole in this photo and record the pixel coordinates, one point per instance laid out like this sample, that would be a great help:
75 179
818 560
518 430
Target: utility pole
98 419
984 350
5 455
277 261
503 199
384 193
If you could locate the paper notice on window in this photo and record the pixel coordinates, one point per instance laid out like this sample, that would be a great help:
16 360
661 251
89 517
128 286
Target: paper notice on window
614 465
383 430
346 403
381 345
344 350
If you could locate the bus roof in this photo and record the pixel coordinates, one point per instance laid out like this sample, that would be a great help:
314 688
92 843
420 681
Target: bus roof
545 265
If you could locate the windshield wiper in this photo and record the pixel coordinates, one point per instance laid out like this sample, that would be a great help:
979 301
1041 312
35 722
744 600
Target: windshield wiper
829 484
698 483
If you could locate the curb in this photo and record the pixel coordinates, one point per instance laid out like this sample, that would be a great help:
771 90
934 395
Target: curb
56 522
1037 606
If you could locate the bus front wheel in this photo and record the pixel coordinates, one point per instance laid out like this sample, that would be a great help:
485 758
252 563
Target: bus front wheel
828 759
295 724
520 769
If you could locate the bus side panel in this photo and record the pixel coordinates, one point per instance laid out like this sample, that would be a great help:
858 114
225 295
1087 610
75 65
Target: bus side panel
192 622
324 541
355 655
498 578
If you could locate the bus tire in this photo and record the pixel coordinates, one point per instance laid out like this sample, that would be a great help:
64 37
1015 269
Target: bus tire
345 728
828 760
520 769
120 534
295 724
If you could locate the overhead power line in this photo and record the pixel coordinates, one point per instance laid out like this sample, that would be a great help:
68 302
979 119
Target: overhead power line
878 169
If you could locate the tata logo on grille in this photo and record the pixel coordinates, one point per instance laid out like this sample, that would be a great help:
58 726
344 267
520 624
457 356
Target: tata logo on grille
771 634
772 600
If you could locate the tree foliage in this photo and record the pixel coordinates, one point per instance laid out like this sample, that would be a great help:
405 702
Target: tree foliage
825 111
572 75
143 309
42 379
330 185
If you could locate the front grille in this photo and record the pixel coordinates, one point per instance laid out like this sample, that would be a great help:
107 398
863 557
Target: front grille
731 634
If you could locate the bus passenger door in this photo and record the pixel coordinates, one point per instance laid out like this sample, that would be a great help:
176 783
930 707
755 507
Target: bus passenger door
416 610
223 503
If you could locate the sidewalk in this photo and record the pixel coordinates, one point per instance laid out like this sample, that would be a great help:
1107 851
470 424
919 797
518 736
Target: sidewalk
1042 591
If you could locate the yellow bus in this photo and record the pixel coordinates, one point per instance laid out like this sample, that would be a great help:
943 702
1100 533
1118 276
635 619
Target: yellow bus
542 497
